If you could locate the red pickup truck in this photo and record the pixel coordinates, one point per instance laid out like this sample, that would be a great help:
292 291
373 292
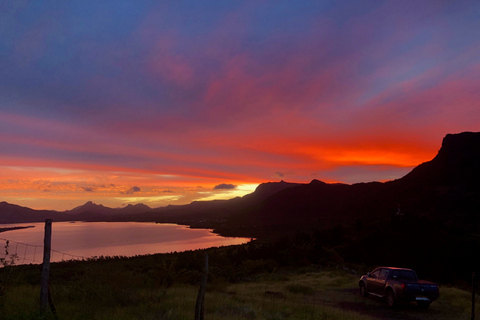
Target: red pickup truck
398 284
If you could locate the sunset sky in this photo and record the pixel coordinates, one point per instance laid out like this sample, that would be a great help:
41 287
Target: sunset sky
159 102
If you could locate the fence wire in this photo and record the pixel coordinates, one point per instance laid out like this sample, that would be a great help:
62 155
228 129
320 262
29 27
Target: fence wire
23 253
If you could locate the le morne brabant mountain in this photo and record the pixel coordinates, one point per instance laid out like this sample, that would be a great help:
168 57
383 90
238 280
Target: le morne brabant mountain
445 189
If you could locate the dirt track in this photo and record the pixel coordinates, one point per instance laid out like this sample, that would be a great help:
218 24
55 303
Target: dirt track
350 299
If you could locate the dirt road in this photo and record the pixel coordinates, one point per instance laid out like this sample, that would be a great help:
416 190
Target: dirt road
350 299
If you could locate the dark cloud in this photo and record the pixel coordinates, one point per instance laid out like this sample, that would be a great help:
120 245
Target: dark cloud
88 189
224 186
111 185
168 191
279 174
132 190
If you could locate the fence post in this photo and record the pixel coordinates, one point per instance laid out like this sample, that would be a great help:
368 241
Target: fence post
47 243
473 296
199 305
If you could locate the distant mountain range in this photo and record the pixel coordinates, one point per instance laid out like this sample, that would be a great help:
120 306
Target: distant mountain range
446 189
100 209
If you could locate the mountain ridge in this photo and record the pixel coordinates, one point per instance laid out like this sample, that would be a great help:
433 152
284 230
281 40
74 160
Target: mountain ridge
90 206
444 188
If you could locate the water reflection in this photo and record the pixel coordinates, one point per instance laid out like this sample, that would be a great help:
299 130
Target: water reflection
89 239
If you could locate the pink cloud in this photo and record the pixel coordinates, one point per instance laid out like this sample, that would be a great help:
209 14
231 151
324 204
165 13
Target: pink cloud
165 64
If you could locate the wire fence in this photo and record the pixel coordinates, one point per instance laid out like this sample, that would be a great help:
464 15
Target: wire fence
16 252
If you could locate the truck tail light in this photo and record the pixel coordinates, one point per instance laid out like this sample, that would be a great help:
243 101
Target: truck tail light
404 286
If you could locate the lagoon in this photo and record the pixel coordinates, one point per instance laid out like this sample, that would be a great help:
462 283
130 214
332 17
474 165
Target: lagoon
81 240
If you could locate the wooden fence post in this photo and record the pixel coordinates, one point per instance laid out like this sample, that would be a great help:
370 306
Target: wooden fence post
473 296
47 244
199 305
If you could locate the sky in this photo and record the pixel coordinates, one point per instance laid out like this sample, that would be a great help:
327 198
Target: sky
168 102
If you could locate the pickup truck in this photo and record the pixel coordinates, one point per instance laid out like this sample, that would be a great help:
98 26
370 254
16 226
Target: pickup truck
398 284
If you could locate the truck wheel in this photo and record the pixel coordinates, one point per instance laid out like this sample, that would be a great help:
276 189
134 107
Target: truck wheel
390 298
363 290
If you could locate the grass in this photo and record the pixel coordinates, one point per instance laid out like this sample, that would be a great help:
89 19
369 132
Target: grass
164 287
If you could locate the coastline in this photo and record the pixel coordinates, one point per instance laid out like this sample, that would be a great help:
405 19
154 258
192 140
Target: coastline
13 228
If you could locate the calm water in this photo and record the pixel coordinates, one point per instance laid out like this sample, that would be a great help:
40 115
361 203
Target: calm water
88 239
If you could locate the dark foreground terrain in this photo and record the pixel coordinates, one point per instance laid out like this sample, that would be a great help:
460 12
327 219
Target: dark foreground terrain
243 283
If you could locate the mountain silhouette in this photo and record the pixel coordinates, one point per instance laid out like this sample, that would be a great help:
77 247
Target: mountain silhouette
12 213
456 164
91 207
445 189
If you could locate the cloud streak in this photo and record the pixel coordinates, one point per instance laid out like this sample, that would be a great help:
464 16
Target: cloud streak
224 186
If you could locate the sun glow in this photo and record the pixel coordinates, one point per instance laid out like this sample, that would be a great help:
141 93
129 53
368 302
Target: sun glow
239 191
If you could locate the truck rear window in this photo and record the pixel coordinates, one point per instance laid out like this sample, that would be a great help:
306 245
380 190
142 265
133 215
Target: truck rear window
404 275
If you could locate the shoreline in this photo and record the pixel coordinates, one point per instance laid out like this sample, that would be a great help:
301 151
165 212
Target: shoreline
14 228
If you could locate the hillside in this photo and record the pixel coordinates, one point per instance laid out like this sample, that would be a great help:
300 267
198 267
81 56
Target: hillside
11 213
445 188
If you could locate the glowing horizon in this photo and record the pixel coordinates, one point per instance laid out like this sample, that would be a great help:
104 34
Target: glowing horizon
171 103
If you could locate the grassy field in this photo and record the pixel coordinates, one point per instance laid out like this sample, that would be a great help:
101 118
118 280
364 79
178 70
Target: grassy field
165 287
